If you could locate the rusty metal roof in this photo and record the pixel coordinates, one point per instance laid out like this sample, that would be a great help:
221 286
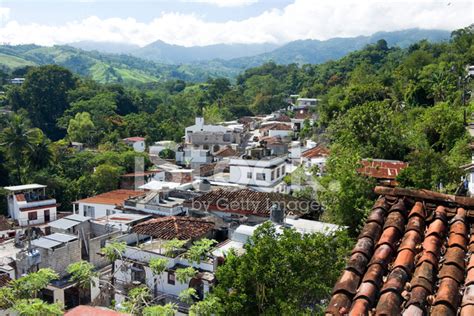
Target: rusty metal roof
412 257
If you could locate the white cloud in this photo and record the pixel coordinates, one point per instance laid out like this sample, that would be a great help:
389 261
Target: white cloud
299 20
224 3
4 14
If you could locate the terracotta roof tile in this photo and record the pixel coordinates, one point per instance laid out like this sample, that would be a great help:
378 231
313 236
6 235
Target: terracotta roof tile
411 270
226 152
171 227
382 169
249 202
315 152
116 197
275 127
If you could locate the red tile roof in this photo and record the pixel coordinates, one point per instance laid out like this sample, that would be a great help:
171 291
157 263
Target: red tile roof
303 114
83 310
226 152
248 202
275 127
134 139
410 258
315 152
116 197
141 174
382 169
282 118
171 227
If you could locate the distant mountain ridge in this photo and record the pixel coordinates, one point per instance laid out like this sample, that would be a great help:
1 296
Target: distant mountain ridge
300 51
160 61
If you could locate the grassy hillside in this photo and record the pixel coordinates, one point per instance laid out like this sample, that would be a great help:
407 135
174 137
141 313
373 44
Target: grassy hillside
104 68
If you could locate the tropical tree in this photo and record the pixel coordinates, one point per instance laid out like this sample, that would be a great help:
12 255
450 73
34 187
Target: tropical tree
280 273
169 309
81 128
83 273
200 249
37 307
18 138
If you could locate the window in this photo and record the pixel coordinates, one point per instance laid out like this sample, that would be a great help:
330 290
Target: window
273 175
206 147
226 137
249 175
171 277
32 216
278 172
89 211
283 170
261 176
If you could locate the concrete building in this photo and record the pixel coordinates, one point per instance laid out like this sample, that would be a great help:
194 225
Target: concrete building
29 205
137 143
147 241
258 170
104 204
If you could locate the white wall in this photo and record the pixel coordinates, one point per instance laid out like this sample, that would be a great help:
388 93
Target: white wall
239 174
23 216
139 146
282 133
100 210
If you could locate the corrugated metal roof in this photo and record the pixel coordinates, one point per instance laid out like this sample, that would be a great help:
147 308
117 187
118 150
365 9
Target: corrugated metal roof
63 223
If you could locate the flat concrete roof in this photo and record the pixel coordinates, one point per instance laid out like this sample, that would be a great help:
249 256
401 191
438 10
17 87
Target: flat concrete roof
23 187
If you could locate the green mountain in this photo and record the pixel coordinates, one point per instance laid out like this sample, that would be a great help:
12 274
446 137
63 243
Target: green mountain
317 52
104 68
160 61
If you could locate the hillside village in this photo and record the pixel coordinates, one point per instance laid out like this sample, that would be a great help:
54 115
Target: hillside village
345 188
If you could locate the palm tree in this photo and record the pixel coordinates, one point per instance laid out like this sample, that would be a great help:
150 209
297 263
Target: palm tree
18 138
40 156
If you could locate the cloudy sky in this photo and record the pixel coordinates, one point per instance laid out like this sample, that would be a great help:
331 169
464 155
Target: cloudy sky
204 22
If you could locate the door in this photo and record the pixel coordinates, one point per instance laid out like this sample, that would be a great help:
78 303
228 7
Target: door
46 216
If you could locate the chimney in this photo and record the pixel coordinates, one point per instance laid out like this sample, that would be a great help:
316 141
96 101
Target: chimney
277 214
199 121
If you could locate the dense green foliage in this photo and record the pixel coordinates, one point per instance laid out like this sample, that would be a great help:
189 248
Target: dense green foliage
287 274
20 295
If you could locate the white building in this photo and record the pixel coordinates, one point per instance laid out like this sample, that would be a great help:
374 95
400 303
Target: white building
158 147
104 204
262 173
316 156
17 81
29 205
276 130
306 102
193 157
147 242
137 143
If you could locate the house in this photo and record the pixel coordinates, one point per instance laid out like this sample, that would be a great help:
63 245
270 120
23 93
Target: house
193 157
315 156
212 137
225 153
137 143
249 123
158 147
56 251
104 204
242 233
29 205
412 257
306 102
258 170
275 144
384 171
276 129
147 241
17 81
248 205
132 181
165 202
94 232
302 115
